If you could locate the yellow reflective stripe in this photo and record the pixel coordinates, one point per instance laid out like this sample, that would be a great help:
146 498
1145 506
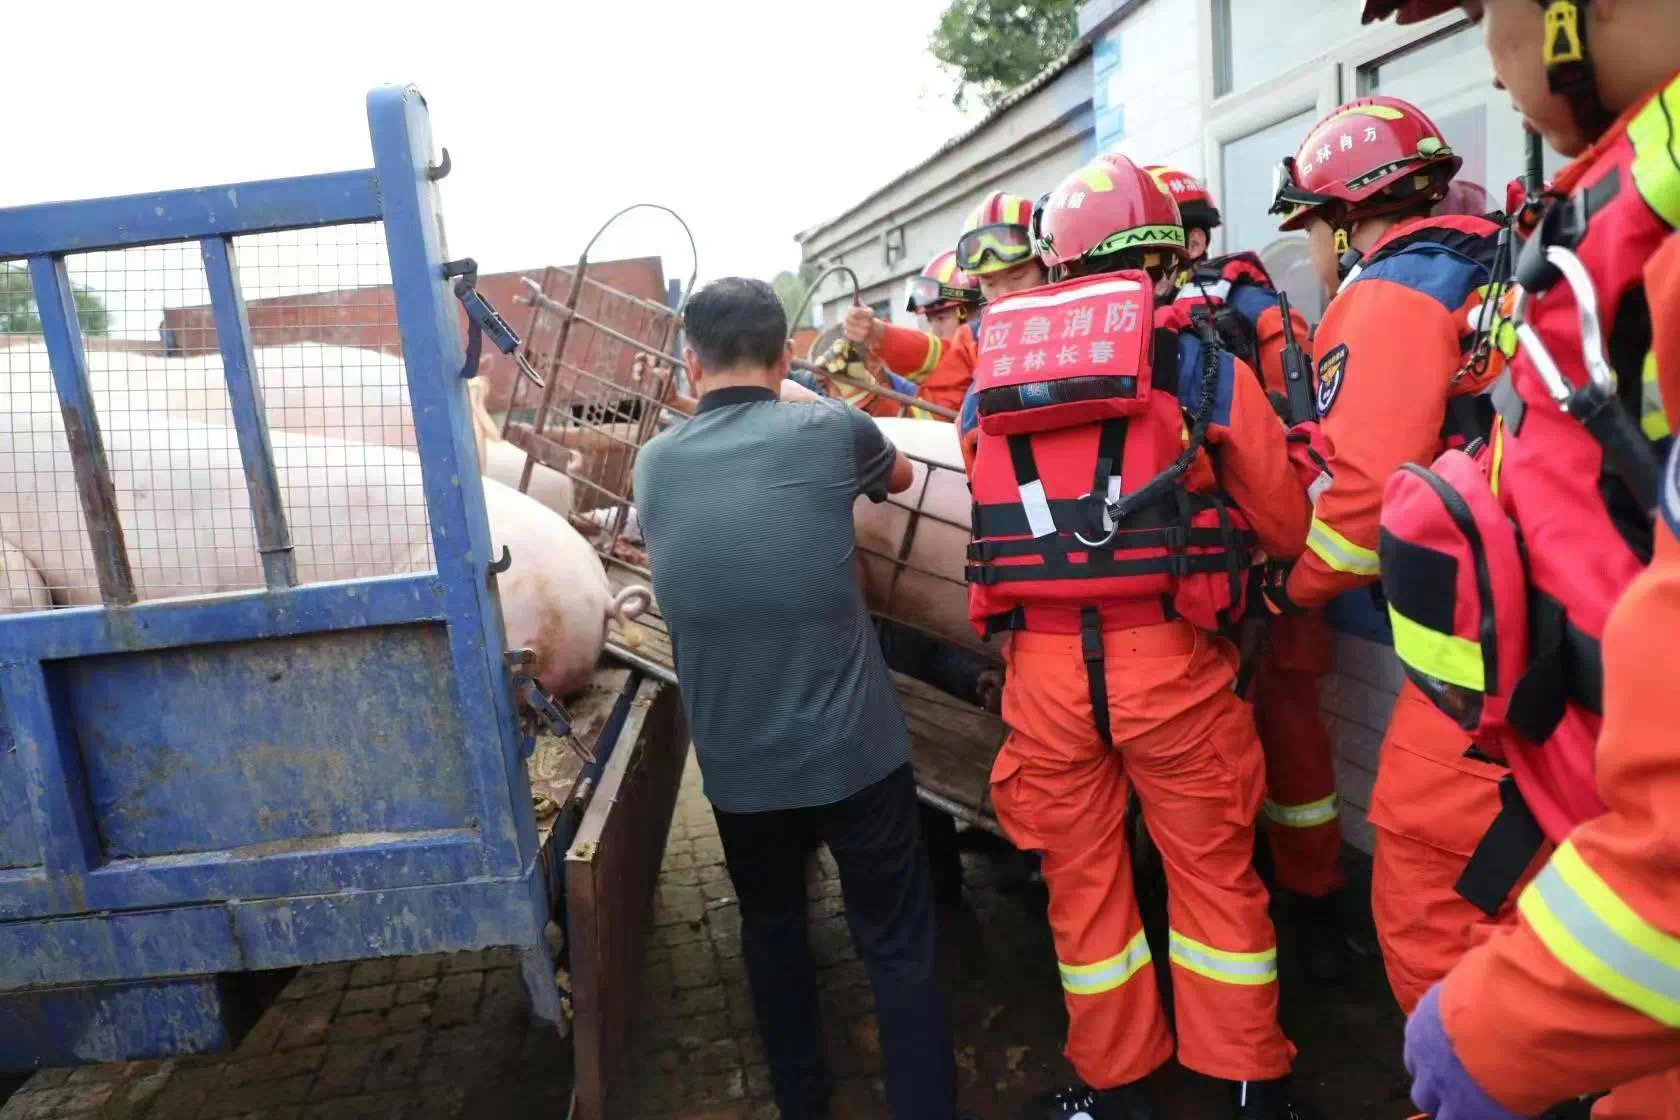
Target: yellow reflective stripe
1600 938
1653 421
1446 657
935 350
1339 552
1104 976
1656 154
1247 969
1310 815
1498 455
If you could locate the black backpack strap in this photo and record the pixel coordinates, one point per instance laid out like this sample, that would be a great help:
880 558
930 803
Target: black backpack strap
1090 640
1504 853
1106 479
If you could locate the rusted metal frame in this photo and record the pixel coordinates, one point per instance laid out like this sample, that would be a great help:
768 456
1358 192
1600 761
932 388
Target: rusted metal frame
580 373
639 301
905 564
62 332
909 540
629 567
568 314
516 395
540 421
256 449
637 661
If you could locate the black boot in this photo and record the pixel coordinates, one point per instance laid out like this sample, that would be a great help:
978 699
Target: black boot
1265 1100
1322 940
1081 1102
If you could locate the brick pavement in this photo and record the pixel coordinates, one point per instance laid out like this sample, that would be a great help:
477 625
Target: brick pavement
449 1036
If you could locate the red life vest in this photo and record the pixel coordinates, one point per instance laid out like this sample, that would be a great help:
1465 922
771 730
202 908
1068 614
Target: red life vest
1557 532
1079 406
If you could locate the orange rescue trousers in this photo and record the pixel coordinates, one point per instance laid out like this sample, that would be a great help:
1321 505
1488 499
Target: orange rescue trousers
1187 744
1430 808
1302 826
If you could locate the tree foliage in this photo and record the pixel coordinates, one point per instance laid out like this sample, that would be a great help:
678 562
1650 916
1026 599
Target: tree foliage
17 305
992 46
792 287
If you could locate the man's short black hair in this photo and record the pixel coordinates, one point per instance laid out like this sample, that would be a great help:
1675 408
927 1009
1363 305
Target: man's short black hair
736 322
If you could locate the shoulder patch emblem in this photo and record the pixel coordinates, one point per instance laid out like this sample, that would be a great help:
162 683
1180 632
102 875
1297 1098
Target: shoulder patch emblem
1332 369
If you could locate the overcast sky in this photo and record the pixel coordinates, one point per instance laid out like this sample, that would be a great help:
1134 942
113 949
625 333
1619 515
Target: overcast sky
753 120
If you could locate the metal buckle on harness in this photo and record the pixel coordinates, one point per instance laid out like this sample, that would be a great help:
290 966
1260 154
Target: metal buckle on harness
1178 542
1574 273
548 712
482 319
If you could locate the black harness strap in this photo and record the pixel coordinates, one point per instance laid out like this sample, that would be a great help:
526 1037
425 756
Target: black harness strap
984 552
1564 664
1090 641
1098 566
1111 454
1503 854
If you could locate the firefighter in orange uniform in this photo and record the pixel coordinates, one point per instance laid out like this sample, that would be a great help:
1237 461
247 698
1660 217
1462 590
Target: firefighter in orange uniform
1397 366
1583 993
1302 825
1108 542
995 251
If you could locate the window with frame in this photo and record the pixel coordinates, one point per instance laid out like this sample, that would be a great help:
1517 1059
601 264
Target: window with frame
1450 78
1246 165
1257 40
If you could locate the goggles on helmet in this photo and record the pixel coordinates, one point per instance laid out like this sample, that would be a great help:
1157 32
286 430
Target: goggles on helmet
1004 243
1289 197
926 293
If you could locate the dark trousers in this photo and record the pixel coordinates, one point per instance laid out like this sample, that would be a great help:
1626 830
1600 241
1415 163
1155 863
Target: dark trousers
874 836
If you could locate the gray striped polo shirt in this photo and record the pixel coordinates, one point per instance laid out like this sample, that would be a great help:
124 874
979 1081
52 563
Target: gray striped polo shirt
746 510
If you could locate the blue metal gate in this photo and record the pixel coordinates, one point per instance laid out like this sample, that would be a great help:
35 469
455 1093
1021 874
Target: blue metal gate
198 787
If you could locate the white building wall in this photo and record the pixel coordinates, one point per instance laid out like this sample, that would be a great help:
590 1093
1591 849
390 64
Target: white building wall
1147 87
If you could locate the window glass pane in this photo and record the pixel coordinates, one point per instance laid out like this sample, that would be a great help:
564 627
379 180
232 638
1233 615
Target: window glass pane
1246 194
1261 39
1451 80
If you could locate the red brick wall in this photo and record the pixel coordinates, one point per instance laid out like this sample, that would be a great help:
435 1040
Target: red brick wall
366 317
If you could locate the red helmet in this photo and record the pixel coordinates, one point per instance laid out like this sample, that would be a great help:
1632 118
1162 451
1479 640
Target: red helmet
942 286
1411 11
1195 204
1375 146
997 235
1109 205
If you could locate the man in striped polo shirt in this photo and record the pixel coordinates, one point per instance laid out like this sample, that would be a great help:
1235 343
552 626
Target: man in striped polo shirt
746 510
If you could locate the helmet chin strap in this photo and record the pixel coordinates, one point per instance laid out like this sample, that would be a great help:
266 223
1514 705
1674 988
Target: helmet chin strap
1569 68
1347 257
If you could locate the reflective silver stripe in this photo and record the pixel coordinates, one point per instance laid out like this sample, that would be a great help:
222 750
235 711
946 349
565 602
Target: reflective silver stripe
1310 815
1113 496
1319 485
1339 552
1586 940
1038 509
1247 969
1103 976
